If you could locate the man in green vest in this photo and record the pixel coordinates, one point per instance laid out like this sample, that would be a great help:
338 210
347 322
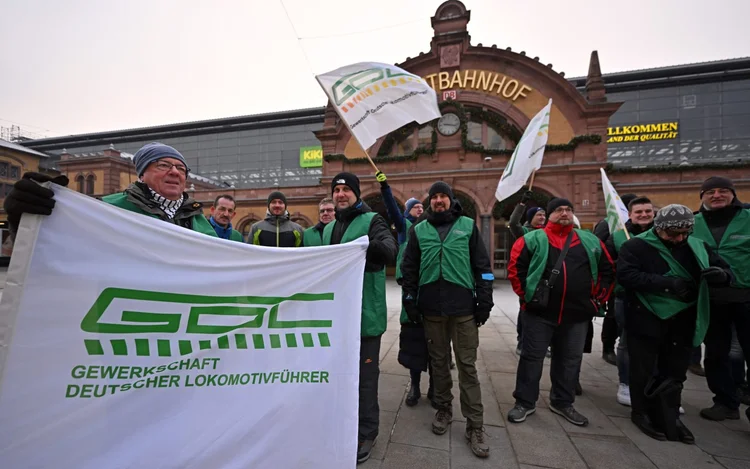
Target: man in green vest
355 219
666 274
447 284
326 213
560 295
222 212
641 213
158 193
724 224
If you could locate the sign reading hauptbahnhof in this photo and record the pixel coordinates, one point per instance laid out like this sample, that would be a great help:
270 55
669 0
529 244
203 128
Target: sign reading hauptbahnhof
480 80
642 132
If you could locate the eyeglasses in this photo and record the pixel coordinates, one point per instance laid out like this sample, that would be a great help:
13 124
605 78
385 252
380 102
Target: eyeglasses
673 233
327 210
165 166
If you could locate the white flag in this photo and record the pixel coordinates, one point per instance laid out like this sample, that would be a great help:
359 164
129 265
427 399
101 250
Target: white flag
527 157
617 213
374 99
128 342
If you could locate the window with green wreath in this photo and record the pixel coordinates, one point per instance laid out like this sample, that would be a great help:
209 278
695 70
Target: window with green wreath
402 144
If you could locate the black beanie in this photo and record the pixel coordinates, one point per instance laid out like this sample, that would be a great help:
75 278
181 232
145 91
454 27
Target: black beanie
627 198
276 195
347 179
717 182
558 202
441 188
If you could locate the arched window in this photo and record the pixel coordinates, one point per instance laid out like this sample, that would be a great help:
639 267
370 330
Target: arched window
474 132
80 184
495 141
403 145
424 137
90 184
245 226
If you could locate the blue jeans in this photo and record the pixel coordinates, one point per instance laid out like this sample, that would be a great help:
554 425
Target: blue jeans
622 345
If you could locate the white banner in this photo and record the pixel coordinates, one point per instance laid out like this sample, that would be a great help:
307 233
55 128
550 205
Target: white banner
527 157
128 342
617 212
374 99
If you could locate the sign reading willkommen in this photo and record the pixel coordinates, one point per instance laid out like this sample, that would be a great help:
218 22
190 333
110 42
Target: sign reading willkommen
130 342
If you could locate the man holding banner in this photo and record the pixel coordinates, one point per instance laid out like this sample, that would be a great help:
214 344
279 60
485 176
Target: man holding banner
159 192
355 219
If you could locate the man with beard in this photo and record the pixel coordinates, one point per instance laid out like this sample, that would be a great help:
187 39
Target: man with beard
724 224
355 219
562 276
447 284
159 192
277 230
326 213
666 273
222 213
641 212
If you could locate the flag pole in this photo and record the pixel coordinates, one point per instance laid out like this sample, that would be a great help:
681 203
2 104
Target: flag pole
366 154
531 184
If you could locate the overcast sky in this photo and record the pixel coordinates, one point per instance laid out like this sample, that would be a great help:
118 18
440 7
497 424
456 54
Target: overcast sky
80 66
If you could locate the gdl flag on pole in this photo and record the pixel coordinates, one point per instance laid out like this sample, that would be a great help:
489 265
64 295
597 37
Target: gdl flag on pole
527 157
374 99
617 213
128 342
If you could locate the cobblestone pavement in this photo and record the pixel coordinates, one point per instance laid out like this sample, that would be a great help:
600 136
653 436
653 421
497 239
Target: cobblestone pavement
545 440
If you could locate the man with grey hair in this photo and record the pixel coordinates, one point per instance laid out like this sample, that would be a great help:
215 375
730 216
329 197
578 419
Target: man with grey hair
666 274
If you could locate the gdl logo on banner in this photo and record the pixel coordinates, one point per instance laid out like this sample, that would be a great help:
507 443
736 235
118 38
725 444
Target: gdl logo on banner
124 322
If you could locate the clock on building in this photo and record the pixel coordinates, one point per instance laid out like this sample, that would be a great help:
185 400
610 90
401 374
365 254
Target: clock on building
448 124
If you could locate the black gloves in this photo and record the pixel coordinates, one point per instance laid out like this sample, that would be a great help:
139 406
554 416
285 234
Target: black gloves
481 317
29 197
682 289
715 276
412 311
525 197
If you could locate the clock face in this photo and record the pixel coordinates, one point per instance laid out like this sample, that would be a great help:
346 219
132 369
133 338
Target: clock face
449 124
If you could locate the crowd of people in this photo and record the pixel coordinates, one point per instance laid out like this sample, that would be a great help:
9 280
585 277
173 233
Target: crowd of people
671 281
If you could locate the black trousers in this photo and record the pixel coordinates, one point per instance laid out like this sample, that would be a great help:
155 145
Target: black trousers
718 343
567 342
609 328
659 358
369 374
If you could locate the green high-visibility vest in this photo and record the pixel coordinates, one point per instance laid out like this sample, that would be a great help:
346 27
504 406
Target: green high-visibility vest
374 309
734 247
312 238
665 307
450 258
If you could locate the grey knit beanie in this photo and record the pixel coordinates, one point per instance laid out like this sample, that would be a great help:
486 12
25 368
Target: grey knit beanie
674 216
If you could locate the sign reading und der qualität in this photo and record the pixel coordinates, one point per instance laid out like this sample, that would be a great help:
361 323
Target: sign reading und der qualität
642 132
311 157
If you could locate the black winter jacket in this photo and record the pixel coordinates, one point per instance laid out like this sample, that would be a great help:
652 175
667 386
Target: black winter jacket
640 268
442 298
382 249
574 295
634 231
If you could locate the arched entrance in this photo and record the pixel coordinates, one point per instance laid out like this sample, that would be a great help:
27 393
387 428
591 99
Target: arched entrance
501 212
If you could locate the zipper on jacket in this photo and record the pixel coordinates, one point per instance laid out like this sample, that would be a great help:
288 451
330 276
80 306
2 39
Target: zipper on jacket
277 232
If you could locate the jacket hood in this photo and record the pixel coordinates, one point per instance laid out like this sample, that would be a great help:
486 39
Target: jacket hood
270 217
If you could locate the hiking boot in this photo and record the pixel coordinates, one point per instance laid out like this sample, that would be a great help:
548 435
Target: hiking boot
685 435
697 369
441 421
719 412
610 357
412 397
519 413
477 443
645 425
623 394
571 415
364 450
743 392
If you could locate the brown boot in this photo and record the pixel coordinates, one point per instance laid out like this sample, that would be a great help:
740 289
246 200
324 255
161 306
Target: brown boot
477 442
441 421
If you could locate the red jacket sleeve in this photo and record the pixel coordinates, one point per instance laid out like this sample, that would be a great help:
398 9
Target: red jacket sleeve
518 267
